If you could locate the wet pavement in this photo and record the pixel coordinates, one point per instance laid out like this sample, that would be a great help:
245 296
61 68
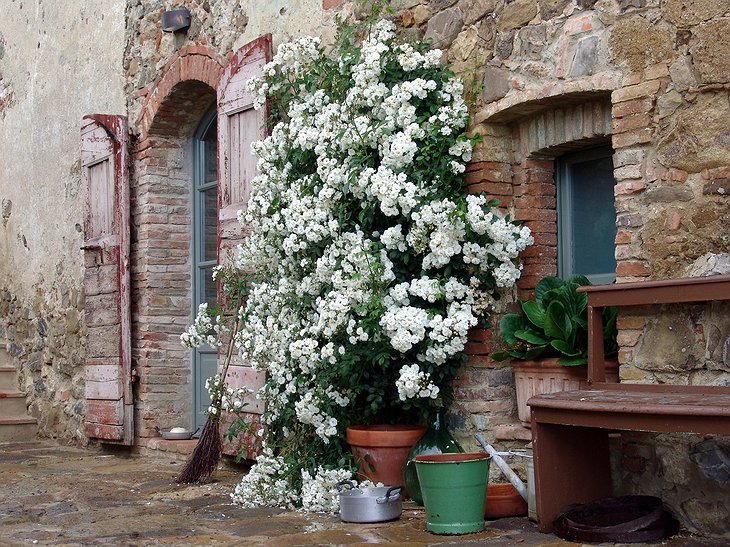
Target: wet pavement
60 495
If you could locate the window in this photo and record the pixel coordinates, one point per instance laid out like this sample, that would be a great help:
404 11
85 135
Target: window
205 251
586 215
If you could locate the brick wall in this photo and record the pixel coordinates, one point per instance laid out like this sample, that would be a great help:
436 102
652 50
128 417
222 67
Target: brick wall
162 185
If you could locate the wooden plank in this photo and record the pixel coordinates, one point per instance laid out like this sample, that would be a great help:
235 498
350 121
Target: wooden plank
105 432
675 403
102 310
571 466
103 341
95 144
103 390
107 372
238 126
100 184
665 291
105 412
245 376
104 157
100 280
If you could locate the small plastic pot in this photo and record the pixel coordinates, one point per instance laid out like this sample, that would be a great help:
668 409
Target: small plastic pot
503 500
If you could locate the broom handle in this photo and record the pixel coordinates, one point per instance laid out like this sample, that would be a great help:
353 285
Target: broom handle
227 361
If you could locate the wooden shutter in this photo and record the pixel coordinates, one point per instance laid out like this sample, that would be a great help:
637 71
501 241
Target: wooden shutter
108 370
238 125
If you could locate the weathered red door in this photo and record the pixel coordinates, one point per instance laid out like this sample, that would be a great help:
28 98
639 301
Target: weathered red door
108 371
238 125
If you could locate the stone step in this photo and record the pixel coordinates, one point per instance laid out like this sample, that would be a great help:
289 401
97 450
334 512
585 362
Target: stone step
12 403
17 429
8 378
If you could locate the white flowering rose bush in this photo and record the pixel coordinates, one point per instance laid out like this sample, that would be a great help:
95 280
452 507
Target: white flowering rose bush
367 263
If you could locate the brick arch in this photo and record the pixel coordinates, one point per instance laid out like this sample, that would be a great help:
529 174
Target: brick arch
193 63
559 130
162 208
539 139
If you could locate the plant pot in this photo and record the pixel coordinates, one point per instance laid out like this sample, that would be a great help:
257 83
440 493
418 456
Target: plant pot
503 500
381 450
454 488
547 376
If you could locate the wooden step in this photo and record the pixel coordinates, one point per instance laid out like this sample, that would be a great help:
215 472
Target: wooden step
12 403
8 378
17 429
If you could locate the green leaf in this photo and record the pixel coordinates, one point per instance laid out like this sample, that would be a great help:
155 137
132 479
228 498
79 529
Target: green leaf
557 322
531 337
546 284
534 353
535 313
579 280
575 303
508 325
566 349
572 361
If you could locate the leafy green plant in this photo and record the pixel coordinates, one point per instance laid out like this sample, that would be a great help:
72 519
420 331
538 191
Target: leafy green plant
555 324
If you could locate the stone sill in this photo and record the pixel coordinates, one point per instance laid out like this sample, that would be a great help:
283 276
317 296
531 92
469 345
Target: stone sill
512 432
184 448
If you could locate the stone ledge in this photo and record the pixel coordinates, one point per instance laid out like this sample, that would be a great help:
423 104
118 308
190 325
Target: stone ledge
184 448
535 99
512 432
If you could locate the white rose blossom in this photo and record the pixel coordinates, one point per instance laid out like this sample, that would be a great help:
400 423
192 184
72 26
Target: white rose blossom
359 238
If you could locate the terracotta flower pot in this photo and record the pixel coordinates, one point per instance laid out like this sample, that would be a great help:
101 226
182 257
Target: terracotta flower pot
503 500
547 376
385 448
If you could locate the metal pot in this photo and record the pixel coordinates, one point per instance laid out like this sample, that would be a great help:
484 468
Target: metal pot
371 504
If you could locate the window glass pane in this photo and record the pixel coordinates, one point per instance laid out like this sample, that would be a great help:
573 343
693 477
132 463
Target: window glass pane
209 223
593 217
586 215
207 286
210 167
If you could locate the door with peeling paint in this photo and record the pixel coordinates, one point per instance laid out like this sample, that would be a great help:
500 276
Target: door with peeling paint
107 369
239 125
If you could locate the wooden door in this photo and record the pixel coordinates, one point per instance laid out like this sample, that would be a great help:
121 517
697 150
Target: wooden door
239 125
108 371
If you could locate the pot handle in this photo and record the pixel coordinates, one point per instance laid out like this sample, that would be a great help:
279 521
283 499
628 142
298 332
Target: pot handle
344 485
392 494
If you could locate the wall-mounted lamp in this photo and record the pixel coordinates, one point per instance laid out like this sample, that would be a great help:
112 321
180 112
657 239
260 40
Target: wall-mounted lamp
176 20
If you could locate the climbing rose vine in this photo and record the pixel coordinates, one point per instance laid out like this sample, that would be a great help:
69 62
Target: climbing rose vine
367 262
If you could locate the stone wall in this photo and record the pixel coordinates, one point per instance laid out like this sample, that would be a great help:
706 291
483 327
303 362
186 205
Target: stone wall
651 79
58 62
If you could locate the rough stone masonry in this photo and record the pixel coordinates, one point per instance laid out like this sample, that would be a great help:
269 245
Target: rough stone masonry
650 78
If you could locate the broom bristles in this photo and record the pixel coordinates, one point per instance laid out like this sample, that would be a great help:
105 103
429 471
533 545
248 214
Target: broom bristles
204 460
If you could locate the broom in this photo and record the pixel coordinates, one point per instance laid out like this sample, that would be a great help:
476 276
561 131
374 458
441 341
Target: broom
204 460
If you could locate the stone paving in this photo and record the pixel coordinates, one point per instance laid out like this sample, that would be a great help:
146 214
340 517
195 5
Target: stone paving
60 495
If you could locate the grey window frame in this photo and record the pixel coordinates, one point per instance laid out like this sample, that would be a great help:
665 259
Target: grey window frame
199 264
564 187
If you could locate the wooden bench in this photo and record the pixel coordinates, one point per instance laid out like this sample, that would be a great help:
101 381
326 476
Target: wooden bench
570 429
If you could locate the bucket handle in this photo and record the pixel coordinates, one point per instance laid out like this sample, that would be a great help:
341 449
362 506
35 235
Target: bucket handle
392 494
342 486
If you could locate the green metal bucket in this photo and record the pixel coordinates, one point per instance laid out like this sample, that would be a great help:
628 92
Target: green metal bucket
454 488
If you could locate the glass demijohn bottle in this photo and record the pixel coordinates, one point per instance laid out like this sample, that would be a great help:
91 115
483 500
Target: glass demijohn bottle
436 440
